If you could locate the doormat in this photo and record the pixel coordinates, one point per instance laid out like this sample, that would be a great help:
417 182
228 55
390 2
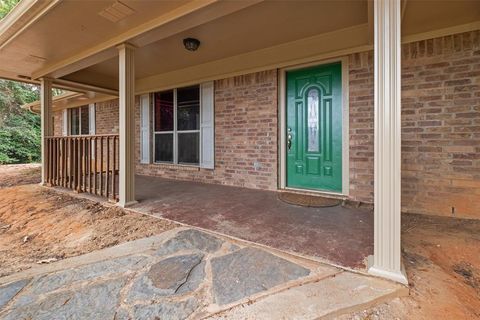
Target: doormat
306 200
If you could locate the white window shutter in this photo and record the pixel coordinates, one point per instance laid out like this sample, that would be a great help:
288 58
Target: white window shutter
91 119
207 126
65 123
145 128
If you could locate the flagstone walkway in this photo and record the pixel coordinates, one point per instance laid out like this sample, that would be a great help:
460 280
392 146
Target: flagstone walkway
186 274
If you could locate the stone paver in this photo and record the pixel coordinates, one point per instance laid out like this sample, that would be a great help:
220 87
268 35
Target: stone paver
247 271
191 239
9 291
166 310
327 298
51 282
98 301
186 274
167 276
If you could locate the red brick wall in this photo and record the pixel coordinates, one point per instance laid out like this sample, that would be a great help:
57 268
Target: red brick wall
361 126
440 126
106 117
245 136
58 123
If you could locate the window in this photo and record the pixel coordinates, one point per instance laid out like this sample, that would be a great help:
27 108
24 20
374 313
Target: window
79 121
177 125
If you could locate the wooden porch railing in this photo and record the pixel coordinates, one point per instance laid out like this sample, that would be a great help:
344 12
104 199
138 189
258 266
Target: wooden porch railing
84 164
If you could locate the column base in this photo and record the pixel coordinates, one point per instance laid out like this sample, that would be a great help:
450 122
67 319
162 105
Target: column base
397 276
127 204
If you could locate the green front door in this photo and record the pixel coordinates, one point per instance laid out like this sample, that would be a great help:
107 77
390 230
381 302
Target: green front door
314 128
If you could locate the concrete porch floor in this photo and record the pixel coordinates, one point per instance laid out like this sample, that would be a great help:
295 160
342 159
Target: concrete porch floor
339 235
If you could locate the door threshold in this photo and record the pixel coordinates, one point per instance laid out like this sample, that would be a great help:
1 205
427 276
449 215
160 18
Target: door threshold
331 194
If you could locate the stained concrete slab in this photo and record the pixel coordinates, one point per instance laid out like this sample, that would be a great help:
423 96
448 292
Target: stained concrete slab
248 271
323 299
341 235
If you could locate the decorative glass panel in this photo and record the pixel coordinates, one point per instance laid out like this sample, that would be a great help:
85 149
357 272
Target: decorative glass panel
312 119
163 111
84 119
164 147
74 122
188 148
188 108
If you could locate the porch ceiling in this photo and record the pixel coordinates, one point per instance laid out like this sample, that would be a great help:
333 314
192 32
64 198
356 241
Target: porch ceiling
73 41
244 31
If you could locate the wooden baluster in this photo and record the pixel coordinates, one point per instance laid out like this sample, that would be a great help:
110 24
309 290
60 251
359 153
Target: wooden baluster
77 152
95 165
74 163
50 153
70 157
90 164
84 146
101 165
107 178
47 178
80 164
64 156
57 161
52 161
114 156
70 163
49 161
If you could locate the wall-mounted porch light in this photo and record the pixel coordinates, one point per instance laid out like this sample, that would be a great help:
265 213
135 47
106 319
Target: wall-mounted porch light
191 44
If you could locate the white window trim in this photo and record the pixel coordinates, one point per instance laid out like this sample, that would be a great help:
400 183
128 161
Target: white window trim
66 123
175 132
69 118
145 125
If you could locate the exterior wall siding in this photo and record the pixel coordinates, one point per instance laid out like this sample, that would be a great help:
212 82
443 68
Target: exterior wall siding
440 129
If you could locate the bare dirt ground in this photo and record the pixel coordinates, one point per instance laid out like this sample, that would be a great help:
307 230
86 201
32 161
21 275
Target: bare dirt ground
39 224
442 259
441 255
19 174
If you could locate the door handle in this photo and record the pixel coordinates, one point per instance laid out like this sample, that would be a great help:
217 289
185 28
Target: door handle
289 139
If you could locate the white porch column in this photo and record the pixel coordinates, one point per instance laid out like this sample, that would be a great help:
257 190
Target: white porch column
46 121
386 260
126 94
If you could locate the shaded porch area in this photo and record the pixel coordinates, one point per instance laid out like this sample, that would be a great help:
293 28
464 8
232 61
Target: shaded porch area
339 235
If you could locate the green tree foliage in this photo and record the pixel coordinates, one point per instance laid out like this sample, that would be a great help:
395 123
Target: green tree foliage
6 6
19 128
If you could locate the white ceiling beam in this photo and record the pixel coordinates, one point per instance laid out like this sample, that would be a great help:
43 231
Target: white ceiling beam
82 87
